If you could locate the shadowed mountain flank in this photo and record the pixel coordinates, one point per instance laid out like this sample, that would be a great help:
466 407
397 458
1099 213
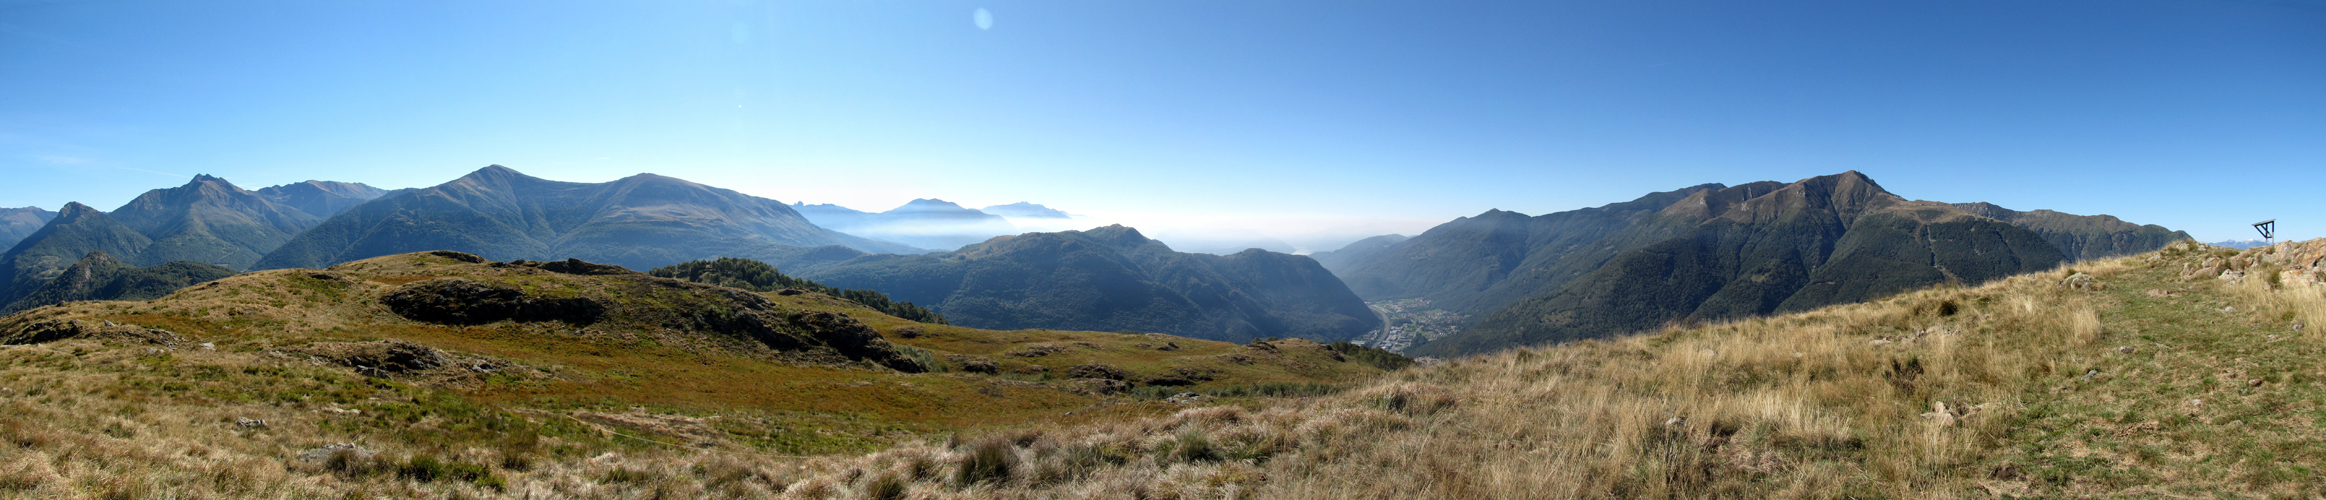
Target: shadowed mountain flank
1475 265
76 231
1112 278
1757 249
2083 237
212 221
639 222
321 198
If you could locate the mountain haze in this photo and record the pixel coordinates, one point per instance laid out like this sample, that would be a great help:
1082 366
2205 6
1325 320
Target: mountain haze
1026 210
16 223
1111 278
924 222
321 199
640 222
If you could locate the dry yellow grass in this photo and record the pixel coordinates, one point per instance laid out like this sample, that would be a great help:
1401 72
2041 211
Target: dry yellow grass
2147 379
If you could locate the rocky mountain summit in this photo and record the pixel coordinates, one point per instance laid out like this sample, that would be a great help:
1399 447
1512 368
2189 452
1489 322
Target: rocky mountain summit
641 221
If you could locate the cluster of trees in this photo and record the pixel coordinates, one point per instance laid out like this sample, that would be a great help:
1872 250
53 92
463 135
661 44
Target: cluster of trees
758 276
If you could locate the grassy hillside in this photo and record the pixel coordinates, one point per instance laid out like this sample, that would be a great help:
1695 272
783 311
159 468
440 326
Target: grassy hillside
2176 374
464 377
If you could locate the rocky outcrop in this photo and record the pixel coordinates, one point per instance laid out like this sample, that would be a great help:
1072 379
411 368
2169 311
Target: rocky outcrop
455 301
19 330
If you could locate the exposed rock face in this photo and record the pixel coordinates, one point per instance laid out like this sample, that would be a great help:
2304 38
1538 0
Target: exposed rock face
576 266
380 358
456 301
17 330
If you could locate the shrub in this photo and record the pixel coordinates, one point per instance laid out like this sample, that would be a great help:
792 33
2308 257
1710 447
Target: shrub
885 487
989 460
1192 446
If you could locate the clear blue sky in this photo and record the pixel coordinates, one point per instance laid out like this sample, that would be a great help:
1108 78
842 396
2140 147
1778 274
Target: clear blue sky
1293 116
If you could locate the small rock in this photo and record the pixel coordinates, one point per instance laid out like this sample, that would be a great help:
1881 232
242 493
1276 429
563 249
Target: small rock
109 323
2125 350
1676 422
2229 309
250 423
206 346
2196 402
1880 342
325 453
2254 382
2092 373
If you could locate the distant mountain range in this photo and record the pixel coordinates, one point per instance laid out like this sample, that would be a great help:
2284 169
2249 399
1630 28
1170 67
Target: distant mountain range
16 223
640 222
1711 252
1355 251
321 198
208 221
2238 244
925 223
1026 210
1107 279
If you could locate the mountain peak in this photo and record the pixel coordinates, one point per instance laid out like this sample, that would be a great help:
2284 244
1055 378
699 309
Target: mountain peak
199 178
1117 234
76 209
924 204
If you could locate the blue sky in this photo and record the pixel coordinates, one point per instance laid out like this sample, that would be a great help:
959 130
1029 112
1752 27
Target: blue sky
1310 121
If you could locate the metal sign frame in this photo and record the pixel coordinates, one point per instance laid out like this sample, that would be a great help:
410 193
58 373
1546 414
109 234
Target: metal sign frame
2269 231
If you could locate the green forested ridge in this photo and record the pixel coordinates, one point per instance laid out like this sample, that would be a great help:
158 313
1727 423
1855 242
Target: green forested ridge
758 276
100 276
76 231
641 222
2083 237
1767 248
1113 279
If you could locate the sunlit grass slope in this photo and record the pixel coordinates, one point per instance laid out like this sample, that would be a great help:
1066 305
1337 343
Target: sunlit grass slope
2189 372
216 391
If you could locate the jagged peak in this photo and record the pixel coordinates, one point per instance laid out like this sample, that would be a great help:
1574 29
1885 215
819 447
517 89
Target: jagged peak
198 178
75 209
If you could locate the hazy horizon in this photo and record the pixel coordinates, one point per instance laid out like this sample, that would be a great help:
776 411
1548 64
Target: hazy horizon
1315 123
